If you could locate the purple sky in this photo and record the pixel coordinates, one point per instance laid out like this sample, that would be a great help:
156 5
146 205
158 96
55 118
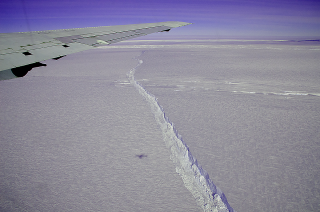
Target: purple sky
210 17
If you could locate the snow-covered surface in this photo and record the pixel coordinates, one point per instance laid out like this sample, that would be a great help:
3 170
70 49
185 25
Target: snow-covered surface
70 139
249 114
72 132
196 180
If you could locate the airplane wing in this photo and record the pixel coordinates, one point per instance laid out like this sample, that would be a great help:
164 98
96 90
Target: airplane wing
20 52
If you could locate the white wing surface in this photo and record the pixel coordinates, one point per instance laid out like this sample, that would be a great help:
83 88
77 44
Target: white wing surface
20 52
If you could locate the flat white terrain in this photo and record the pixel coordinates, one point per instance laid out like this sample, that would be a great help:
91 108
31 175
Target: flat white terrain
71 137
249 111
77 135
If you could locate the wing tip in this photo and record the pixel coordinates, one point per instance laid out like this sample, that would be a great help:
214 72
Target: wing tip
176 24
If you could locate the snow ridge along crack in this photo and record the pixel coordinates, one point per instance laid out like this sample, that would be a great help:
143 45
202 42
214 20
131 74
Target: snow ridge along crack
196 180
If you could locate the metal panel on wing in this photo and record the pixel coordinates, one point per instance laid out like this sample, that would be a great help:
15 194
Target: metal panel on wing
21 49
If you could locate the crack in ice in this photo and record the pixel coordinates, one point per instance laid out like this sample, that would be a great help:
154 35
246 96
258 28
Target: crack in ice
195 179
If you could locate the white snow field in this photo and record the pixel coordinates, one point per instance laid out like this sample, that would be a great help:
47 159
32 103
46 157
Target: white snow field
71 137
93 131
249 112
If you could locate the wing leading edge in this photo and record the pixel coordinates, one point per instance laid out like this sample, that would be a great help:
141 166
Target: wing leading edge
20 52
